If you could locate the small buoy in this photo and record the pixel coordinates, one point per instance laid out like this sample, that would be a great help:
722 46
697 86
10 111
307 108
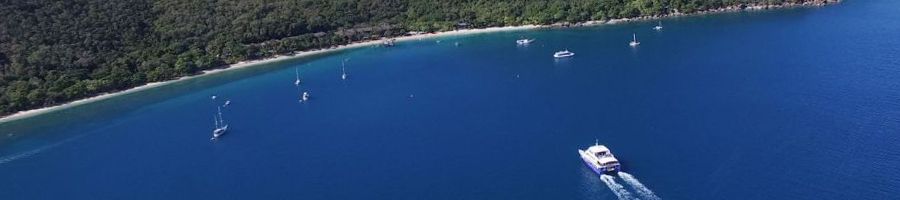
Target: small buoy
213 97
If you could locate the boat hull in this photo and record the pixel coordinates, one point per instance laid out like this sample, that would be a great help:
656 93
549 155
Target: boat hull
563 56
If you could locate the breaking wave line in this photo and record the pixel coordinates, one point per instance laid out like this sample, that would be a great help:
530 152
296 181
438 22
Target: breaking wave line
640 188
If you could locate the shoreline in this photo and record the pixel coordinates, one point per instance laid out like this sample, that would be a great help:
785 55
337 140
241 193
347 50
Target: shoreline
250 63
359 44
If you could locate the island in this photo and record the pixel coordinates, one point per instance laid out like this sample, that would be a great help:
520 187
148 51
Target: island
54 52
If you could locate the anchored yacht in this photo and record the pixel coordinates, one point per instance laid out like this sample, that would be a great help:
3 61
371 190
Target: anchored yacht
221 127
297 72
563 54
524 41
599 159
388 42
634 41
658 27
344 71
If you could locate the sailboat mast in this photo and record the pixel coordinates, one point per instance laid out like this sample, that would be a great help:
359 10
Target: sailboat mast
221 120
216 121
634 37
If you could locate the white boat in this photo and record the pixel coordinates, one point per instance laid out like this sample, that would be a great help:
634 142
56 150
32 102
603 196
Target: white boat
658 27
297 73
634 41
343 71
227 102
304 97
524 41
387 42
563 54
221 127
600 159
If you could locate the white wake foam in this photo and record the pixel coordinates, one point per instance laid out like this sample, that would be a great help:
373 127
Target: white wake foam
616 188
640 188
10 158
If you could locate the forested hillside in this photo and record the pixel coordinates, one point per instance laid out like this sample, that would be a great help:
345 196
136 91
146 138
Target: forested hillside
54 51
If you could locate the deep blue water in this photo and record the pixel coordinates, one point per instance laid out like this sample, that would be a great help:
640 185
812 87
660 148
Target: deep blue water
788 104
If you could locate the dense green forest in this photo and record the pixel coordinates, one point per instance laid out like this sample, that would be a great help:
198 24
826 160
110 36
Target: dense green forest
55 51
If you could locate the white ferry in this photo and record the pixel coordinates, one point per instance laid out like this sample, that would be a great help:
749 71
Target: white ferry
563 54
599 159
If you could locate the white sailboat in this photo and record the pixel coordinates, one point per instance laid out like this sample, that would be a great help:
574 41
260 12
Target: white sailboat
658 27
297 72
634 41
221 127
344 71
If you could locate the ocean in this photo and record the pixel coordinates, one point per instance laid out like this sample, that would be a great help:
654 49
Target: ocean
800 103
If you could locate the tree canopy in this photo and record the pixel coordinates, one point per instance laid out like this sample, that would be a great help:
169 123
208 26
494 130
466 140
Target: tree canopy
53 51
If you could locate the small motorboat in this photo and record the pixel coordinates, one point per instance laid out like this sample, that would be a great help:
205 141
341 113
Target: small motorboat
524 41
563 54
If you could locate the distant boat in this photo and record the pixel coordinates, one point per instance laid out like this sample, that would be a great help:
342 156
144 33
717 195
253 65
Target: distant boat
297 73
221 127
344 71
600 159
658 27
563 54
634 41
387 42
213 97
227 102
525 41
304 97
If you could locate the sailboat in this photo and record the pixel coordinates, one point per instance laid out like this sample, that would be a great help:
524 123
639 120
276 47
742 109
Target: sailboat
634 41
658 27
343 71
297 72
221 127
304 97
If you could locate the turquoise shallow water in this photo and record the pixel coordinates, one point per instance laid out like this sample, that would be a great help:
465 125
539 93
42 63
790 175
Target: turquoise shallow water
788 104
